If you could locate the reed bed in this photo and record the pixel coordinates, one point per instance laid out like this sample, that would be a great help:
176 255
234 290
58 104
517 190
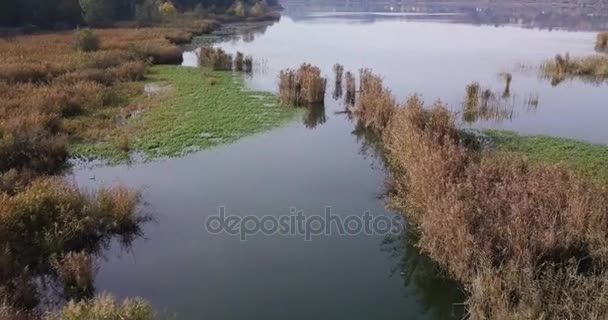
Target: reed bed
591 68
302 87
376 103
527 240
601 42
522 238
485 105
215 58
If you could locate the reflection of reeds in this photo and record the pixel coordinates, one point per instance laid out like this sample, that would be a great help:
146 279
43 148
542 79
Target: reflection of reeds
528 240
314 116
507 78
303 86
339 72
351 89
248 64
214 58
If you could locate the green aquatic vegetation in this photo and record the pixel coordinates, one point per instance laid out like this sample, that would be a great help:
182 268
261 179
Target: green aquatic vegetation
589 159
200 110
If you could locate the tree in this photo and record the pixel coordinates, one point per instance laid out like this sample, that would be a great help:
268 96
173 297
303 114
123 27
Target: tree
167 10
94 11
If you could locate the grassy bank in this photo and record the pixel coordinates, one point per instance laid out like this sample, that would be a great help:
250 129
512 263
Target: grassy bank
590 160
194 109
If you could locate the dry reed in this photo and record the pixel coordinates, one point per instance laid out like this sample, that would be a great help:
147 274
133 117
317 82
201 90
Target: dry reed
215 58
303 86
351 89
376 103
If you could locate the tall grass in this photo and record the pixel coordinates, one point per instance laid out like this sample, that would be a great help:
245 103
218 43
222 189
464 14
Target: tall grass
376 103
301 87
527 240
591 68
601 42
215 58
486 105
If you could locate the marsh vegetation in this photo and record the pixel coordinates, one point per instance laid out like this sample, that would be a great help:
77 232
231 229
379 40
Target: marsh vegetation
302 87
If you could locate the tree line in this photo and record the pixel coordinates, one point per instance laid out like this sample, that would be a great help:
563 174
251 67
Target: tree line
69 13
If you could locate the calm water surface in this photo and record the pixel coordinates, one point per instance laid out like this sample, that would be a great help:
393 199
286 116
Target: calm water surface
181 268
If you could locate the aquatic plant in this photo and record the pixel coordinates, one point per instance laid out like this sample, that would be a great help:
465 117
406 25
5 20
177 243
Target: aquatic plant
215 58
376 103
592 68
303 86
527 240
485 104
601 42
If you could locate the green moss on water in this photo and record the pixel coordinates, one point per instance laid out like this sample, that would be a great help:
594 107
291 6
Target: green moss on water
199 109
589 159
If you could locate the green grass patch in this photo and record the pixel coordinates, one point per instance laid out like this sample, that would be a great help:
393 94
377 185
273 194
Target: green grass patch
195 110
589 159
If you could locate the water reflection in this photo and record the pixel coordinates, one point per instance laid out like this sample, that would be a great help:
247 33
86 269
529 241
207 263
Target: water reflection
61 265
314 116
547 16
440 296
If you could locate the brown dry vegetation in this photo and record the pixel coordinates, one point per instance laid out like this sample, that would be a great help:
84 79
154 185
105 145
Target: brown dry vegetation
592 68
302 87
215 59
376 103
601 42
53 93
527 241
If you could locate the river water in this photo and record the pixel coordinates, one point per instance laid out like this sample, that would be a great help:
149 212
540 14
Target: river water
316 161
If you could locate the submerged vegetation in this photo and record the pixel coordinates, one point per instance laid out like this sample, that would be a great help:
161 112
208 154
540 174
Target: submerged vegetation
302 87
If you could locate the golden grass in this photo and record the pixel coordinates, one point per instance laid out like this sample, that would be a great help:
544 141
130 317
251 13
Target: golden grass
376 103
601 42
592 68
301 87
527 240
215 59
